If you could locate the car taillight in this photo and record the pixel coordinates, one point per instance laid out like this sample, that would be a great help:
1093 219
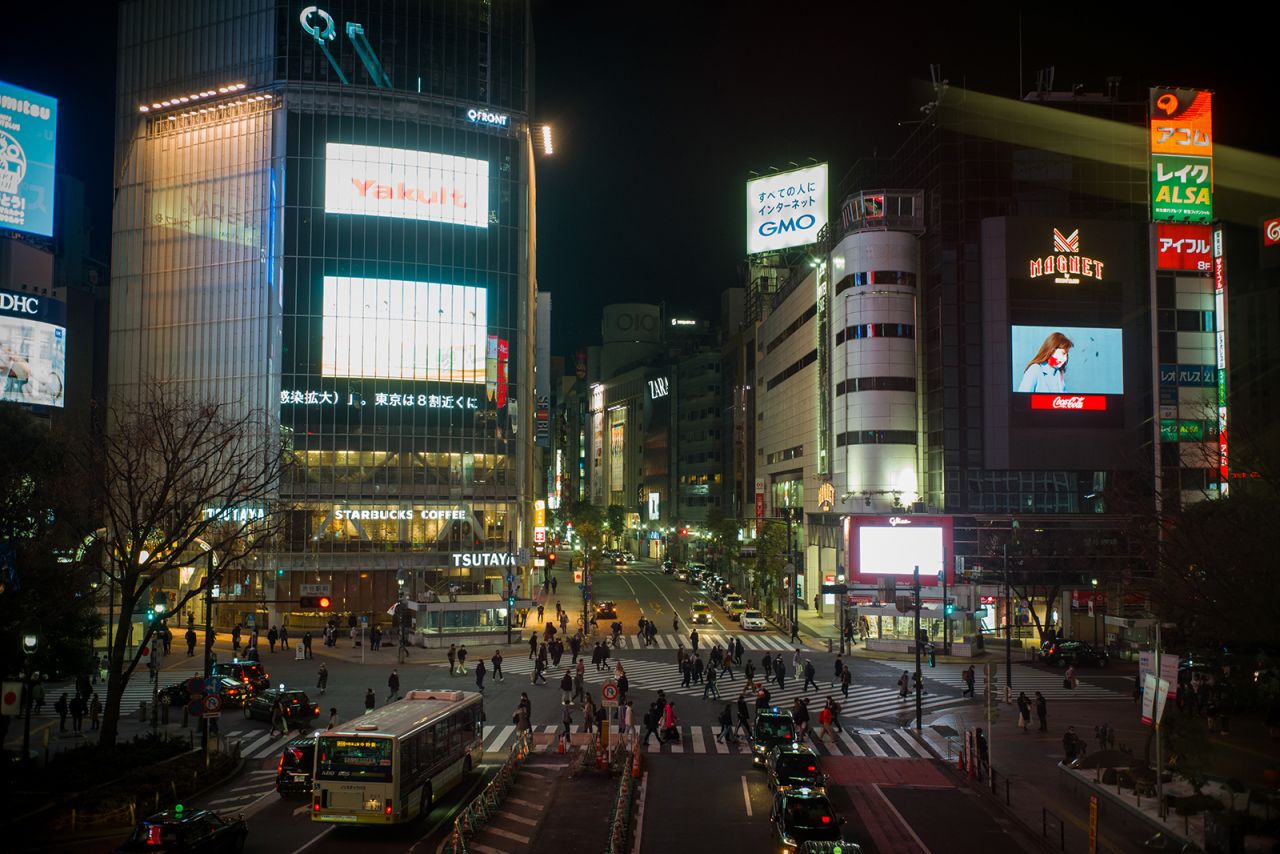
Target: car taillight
155 834
811 768
826 819
297 755
388 808
280 765
315 710
315 806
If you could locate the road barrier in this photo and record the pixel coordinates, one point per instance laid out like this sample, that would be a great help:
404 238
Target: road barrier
487 804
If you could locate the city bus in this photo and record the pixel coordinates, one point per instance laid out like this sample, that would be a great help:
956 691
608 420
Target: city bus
389 765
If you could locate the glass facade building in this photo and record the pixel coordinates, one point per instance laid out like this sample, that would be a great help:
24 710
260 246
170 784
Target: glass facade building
323 214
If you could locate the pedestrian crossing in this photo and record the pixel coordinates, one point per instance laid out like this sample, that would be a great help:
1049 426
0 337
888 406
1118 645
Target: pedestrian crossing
1025 678
254 785
138 690
671 641
258 743
863 701
885 743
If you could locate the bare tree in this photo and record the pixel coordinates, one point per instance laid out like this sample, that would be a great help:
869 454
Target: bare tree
175 478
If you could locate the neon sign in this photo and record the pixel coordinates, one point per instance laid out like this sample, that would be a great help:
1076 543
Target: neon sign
1066 262
484 117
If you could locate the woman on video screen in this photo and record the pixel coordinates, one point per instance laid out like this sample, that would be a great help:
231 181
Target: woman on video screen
1047 371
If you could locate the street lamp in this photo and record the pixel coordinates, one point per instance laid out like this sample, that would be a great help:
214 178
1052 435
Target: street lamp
30 643
1093 606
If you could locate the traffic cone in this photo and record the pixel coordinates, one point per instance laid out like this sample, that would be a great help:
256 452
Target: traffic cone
559 744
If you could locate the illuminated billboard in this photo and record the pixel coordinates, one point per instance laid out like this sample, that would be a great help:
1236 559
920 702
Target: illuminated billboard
617 460
396 330
1181 155
372 180
1070 360
895 545
33 349
28 149
787 209
1184 247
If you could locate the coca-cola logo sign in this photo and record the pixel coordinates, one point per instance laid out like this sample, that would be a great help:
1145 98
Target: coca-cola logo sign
1076 402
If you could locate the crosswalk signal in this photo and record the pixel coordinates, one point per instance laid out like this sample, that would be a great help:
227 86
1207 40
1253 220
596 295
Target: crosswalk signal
949 608
320 603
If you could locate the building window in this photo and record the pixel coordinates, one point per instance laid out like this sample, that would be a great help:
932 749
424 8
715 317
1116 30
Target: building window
875 330
876 277
876 437
787 373
788 454
875 384
791 329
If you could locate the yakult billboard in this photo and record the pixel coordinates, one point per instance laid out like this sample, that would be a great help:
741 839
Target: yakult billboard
787 209
372 180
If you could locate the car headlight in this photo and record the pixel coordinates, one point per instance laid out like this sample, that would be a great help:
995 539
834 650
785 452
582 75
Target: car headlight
788 840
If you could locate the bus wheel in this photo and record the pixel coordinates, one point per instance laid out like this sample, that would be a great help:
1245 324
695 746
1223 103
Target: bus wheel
425 806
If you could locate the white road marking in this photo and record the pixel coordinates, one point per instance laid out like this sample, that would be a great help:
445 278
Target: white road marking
746 795
321 835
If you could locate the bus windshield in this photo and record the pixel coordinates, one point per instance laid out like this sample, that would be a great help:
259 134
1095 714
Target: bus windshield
353 758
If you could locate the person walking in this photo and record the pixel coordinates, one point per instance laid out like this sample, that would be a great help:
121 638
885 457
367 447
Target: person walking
835 713
651 725
693 641
497 665
284 639
480 673
984 755
1042 712
800 713
845 678
452 655
235 638
95 711
393 685
322 678
766 667
1070 744
333 718
369 700
839 671
190 637
272 637
533 644
462 660
1024 712
670 724
744 714
904 681
749 671
726 724
780 672
566 723
824 720
521 716
1070 681
61 707
539 668
969 679
78 709
795 662
710 686
306 645
809 673
566 687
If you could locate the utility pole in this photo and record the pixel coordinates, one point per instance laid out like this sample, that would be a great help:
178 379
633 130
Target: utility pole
1155 707
1008 629
946 615
511 590
915 583
208 644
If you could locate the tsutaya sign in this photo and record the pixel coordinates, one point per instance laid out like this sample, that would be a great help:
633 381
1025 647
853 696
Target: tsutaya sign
1066 263
482 559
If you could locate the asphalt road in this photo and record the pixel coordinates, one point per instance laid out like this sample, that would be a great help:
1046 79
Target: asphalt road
703 793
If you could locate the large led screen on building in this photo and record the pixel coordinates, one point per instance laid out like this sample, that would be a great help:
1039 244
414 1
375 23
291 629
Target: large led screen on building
372 180
33 349
1067 360
28 148
895 545
787 209
394 330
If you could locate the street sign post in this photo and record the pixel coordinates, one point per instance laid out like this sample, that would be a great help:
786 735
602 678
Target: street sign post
609 694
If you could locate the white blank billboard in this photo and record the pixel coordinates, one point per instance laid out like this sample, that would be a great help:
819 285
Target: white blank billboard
372 180
898 551
787 209
396 330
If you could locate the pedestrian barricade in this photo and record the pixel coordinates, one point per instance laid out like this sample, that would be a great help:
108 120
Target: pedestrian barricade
486 805
620 823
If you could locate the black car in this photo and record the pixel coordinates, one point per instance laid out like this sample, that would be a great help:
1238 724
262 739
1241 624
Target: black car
234 694
1064 652
794 766
250 673
803 815
606 611
293 774
774 728
299 711
187 831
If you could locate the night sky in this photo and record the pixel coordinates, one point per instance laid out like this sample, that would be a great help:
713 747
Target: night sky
661 110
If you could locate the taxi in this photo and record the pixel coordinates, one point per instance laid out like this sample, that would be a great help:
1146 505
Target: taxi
773 728
700 613
802 815
792 766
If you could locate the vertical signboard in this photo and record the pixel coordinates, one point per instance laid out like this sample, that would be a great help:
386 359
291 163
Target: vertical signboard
1181 155
759 505
1220 345
28 148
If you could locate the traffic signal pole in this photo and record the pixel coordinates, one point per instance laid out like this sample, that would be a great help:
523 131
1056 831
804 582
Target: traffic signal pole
919 676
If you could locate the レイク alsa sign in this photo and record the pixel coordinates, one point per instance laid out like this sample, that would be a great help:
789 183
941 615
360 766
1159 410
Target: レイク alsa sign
1066 264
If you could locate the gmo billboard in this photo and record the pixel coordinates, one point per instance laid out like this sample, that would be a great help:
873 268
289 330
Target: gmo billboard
28 145
787 209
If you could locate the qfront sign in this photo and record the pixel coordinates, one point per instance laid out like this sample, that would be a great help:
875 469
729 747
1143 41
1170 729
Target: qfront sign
477 116
372 180
1067 266
787 209
28 148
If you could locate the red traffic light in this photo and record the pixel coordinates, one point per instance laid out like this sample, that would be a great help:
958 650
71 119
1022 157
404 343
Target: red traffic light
322 603
684 532
551 557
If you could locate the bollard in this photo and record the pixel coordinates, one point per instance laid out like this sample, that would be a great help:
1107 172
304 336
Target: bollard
142 712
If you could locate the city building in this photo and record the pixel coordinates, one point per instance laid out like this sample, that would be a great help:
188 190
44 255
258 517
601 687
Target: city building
323 215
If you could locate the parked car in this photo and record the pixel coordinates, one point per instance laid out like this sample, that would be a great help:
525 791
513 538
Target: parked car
1064 652
753 621
187 831
293 774
299 711
234 694
251 673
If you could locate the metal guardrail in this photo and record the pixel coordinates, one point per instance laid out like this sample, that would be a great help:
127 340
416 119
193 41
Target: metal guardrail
620 822
486 805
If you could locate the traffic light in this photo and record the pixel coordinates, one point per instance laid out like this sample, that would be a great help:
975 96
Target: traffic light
321 603
684 532
551 557
511 601
950 608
